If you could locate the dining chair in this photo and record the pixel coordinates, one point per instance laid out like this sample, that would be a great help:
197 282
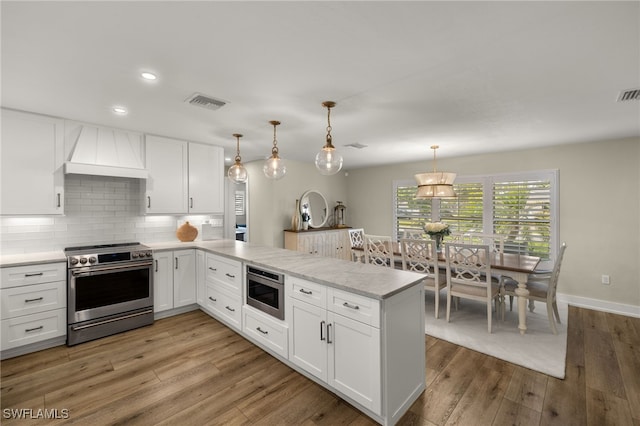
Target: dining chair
378 250
356 239
542 287
469 276
413 234
420 255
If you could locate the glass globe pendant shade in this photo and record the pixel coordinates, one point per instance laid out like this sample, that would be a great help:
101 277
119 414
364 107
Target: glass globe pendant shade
237 173
328 161
274 168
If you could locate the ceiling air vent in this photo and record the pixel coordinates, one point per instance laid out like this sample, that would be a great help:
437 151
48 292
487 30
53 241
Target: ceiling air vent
203 101
629 95
357 145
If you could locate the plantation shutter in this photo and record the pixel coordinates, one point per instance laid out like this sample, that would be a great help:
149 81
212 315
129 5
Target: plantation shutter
464 213
522 212
410 214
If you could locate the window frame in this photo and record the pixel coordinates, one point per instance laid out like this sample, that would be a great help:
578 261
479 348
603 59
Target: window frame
488 180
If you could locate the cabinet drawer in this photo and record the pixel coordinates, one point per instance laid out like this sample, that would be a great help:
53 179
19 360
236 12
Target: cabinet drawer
31 299
33 274
33 328
310 292
224 271
354 306
270 333
224 305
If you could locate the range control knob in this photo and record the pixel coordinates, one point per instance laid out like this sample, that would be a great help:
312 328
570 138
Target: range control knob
83 260
149 253
73 261
134 255
92 259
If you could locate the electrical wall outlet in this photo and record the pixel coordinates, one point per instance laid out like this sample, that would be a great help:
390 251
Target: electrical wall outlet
605 280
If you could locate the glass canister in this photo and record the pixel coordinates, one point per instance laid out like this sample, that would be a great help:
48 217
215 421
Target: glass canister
339 215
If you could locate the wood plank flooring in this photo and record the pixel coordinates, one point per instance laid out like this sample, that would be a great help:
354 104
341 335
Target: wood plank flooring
192 370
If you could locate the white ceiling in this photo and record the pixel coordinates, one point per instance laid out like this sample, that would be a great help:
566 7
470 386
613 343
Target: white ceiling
472 77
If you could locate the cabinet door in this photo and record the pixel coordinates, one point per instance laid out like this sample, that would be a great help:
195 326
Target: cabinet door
308 348
354 360
184 277
206 178
167 185
162 281
311 243
32 158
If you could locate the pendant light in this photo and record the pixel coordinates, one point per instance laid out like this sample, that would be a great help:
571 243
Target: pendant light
274 167
237 173
328 161
435 184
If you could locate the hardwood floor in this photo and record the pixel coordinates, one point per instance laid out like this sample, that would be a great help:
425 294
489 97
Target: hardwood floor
192 370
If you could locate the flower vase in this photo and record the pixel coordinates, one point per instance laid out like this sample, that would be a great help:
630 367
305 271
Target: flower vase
295 219
438 238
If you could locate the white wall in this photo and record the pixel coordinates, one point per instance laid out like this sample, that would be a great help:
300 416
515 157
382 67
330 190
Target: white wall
599 208
272 203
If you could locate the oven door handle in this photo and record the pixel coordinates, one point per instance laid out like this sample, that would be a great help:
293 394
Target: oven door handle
95 324
107 269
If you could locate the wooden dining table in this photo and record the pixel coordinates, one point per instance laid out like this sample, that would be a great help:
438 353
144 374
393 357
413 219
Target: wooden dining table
515 266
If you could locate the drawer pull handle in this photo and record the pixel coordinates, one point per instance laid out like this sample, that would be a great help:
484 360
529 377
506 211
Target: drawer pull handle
213 269
212 299
38 299
230 276
36 274
28 330
303 291
231 309
262 331
347 305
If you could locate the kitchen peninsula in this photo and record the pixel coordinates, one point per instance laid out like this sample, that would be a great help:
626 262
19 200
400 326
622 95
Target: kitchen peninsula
356 329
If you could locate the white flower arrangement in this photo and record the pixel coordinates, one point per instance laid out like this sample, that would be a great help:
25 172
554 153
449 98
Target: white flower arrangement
437 228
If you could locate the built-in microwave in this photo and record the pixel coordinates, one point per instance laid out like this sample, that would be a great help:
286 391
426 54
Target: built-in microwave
265 291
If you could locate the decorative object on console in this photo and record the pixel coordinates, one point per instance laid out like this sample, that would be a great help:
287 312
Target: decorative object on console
237 173
437 231
339 215
305 216
295 219
435 184
274 168
187 232
328 161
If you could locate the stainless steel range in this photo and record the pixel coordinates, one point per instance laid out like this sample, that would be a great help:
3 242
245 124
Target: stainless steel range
109 290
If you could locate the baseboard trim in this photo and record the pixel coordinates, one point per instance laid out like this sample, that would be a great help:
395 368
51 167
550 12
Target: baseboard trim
600 305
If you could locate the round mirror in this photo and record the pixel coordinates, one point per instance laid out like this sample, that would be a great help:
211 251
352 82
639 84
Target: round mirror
315 205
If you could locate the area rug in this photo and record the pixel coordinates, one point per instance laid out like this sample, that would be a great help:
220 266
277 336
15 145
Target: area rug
538 349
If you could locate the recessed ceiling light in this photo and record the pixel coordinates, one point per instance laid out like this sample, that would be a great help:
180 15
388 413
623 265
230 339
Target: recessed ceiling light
148 75
119 110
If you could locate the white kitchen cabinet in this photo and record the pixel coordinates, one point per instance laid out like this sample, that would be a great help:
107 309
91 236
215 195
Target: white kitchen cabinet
167 185
33 303
32 160
326 242
174 279
184 178
267 332
201 278
343 351
223 290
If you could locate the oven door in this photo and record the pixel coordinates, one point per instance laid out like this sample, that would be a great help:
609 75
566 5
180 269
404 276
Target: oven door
101 291
265 295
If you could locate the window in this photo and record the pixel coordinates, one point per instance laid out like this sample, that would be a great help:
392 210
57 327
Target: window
239 203
521 206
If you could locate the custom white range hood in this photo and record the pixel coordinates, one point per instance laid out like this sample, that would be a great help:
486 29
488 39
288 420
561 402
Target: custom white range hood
106 152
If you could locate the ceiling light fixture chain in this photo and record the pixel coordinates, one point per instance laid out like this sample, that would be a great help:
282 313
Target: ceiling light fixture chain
274 150
237 173
274 167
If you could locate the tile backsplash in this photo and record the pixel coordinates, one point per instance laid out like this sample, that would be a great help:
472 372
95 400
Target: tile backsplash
98 209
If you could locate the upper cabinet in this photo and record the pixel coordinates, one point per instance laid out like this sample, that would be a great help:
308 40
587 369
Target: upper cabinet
32 157
184 178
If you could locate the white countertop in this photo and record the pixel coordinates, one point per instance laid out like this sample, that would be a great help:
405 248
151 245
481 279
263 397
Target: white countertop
368 280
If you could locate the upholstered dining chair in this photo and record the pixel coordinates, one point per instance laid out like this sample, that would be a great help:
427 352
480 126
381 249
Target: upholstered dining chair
542 286
469 276
419 255
356 239
378 250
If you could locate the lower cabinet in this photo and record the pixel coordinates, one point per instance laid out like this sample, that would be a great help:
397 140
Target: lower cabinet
222 288
341 351
174 279
33 305
327 242
266 331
